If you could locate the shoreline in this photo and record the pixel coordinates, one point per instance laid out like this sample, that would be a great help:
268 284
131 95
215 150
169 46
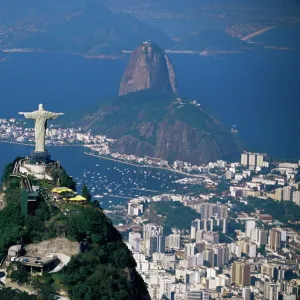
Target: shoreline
108 158
25 144
140 166
125 53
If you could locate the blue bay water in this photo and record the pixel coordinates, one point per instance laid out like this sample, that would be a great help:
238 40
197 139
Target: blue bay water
258 91
114 182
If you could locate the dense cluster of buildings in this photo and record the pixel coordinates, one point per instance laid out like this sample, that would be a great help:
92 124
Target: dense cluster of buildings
260 261
225 253
196 265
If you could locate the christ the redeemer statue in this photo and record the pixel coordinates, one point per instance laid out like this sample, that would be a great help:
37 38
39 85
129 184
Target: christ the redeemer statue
41 117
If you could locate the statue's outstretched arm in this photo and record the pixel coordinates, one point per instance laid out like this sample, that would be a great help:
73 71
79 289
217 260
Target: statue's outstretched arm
53 116
28 115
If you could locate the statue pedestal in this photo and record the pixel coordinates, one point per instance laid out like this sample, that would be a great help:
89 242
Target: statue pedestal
40 157
40 171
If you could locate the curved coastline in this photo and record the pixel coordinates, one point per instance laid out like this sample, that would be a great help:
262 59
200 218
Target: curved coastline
140 166
109 158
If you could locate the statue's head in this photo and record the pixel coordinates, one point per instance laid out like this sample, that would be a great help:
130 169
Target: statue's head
41 107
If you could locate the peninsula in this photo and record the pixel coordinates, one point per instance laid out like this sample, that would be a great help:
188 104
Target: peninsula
49 234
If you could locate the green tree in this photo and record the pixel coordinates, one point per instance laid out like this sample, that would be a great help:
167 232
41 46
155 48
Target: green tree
262 250
86 193
8 293
18 273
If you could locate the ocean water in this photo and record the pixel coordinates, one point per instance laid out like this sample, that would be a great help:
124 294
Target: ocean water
109 182
258 91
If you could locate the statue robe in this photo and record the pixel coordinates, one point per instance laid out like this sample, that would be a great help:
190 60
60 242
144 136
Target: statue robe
41 117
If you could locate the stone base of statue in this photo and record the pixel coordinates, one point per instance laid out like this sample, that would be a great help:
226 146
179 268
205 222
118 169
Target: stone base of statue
40 157
38 164
38 170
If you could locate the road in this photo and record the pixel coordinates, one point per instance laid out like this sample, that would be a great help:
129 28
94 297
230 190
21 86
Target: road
64 260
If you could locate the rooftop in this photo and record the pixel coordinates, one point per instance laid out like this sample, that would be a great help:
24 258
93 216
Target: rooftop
36 261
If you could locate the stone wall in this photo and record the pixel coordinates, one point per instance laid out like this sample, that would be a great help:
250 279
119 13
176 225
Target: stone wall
57 245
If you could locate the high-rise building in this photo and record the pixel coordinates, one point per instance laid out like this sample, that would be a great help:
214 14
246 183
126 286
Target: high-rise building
173 241
211 237
156 244
200 259
134 239
152 248
287 193
252 250
262 237
189 250
279 194
246 293
135 209
224 226
208 257
197 295
200 246
161 244
286 296
222 212
244 159
247 247
195 226
229 175
296 197
275 239
164 287
241 273
199 235
271 291
259 160
221 255
151 230
252 159
207 210
250 225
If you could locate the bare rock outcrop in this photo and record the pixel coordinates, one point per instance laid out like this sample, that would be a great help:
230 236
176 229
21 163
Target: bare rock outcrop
58 245
148 67
149 118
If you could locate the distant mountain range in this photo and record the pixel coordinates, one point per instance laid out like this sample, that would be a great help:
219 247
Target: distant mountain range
89 28
151 119
93 31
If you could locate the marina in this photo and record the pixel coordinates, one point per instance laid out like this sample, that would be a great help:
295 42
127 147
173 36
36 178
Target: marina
109 182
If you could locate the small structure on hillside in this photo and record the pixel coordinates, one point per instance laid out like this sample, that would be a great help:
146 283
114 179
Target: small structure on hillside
28 202
15 251
62 193
78 199
38 264
67 195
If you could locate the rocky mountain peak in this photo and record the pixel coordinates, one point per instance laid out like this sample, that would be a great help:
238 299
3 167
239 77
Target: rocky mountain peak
148 67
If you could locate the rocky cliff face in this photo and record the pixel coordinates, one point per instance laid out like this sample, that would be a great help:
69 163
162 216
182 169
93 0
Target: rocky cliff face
152 124
148 67
150 119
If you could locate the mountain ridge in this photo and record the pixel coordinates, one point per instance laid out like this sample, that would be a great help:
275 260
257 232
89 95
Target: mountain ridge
92 31
153 120
150 123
